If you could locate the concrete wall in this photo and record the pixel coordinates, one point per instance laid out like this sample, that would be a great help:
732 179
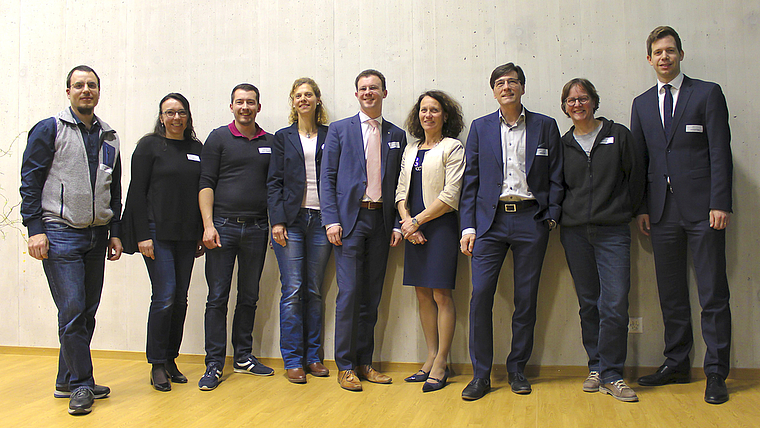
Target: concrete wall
145 49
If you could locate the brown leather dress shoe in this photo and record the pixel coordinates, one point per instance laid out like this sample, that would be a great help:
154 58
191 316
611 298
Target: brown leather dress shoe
297 375
319 369
348 380
369 373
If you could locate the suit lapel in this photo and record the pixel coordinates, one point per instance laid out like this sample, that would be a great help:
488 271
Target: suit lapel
321 135
385 136
532 131
295 140
493 137
357 142
683 98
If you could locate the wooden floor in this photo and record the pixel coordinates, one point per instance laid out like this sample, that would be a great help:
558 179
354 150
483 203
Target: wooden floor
248 401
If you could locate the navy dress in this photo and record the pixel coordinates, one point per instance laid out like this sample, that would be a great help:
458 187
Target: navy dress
433 264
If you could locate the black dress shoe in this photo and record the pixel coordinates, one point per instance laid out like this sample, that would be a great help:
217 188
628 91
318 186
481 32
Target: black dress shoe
174 373
716 391
162 385
476 389
665 375
519 383
420 376
434 384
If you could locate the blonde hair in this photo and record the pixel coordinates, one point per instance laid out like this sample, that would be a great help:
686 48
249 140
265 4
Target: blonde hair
320 113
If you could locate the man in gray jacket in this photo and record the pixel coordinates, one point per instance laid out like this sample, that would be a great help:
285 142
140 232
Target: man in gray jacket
71 204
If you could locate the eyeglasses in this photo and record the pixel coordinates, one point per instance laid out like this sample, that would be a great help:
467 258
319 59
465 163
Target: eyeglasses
512 83
573 101
172 113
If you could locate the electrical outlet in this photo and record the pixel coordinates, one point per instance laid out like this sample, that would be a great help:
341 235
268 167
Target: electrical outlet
635 325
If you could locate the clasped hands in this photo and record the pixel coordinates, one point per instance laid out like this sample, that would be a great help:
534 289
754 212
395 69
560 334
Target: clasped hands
411 231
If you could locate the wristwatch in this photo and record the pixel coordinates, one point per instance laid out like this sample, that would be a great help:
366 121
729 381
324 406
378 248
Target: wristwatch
415 222
552 224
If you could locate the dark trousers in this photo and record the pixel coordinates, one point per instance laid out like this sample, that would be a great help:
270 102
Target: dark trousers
246 241
170 280
74 270
360 269
671 237
528 240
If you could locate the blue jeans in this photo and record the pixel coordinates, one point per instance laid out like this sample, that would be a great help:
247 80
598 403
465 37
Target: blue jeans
599 258
74 270
246 241
302 264
170 279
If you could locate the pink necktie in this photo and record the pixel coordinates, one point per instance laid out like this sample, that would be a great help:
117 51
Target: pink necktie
374 176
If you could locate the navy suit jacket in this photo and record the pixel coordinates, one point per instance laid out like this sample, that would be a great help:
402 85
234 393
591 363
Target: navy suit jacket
344 173
287 173
484 171
696 156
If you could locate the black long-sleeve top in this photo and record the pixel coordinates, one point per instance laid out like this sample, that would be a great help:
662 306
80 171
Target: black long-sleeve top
164 190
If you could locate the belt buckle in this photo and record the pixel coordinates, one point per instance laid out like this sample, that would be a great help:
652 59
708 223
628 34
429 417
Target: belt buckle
510 208
238 220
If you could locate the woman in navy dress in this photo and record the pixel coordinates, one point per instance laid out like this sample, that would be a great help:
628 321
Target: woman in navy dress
427 197
163 222
300 242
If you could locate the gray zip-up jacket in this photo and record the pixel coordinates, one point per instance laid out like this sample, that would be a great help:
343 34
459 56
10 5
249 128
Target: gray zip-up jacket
67 193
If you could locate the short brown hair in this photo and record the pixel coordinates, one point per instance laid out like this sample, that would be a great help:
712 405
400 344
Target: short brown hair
660 33
586 85
367 73
453 124
503 69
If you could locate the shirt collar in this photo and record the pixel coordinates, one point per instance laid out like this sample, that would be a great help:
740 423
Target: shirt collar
233 129
675 83
363 118
78 122
520 119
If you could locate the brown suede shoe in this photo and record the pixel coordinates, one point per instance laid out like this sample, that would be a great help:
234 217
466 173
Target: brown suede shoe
369 373
319 369
297 375
348 380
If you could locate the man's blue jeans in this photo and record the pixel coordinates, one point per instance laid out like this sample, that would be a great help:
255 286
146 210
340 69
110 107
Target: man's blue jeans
599 258
246 241
170 279
302 264
74 269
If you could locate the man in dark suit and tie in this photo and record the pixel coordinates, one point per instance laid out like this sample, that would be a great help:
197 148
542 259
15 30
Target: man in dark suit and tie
511 197
360 168
682 124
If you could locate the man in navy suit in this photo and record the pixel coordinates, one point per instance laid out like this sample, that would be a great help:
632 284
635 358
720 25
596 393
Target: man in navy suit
511 197
360 168
682 124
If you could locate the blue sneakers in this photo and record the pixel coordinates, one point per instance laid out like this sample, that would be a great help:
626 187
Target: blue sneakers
252 366
211 378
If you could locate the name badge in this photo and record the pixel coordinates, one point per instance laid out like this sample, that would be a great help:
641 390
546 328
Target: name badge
105 168
608 140
394 144
193 157
695 128
542 151
265 150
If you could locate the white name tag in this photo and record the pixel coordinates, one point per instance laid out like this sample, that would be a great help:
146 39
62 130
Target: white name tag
542 151
105 168
394 145
608 140
193 157
694 128
265 150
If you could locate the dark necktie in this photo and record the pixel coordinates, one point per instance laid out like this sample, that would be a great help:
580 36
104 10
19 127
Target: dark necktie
667 107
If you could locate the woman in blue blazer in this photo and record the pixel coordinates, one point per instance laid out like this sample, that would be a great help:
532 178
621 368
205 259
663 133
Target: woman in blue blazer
299 240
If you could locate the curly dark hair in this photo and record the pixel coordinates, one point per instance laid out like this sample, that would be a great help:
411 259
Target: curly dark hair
452 111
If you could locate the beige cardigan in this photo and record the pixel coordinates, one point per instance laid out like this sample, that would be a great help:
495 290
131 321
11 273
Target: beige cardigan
442 171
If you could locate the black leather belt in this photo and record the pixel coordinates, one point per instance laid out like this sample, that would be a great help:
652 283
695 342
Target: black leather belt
515 206
245 219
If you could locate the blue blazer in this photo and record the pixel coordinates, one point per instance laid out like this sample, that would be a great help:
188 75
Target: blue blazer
696 156
287 173
344 173
484 170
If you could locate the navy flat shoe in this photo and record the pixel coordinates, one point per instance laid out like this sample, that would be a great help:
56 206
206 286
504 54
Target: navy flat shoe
420 376
436 384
